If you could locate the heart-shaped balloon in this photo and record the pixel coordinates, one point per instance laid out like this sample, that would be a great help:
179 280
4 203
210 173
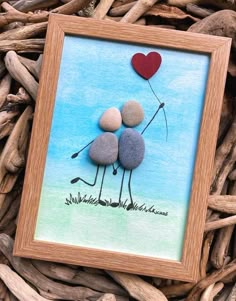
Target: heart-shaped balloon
146 65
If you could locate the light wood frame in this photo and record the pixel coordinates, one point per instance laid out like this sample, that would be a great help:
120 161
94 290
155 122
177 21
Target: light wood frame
188 268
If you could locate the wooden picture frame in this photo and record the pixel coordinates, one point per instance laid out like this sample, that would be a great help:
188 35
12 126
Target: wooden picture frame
217 49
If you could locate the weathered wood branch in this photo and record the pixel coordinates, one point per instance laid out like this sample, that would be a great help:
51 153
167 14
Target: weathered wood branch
224 222
93 281
107 297
223 203
13 15
31 5
21 97
18 286
12 158
32 45
71 7
138 10
221 245
11 214
205 253
177 290
30 273
226 4
122 9
5 85
137 288
7 122
216 276
102 9
21 74
24 32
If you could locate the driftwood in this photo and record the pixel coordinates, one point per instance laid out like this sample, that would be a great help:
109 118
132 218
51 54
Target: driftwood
138 10
93 281
71 7
31 274
33 45
213 278
137 288
13 15
5 86
26 6
218 3
221 245
121 10
12 158
32 66
223 203
21 97
18 286
205 254
7 122
198 11
102 9
21 74
224 222
24 32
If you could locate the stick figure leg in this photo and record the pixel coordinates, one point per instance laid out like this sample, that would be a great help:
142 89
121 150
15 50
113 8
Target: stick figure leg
131 205
75 180
121 188
100 192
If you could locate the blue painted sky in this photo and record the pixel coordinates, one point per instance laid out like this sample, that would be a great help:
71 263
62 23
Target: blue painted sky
96 76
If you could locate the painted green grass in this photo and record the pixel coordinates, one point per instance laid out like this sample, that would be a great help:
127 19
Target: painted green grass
90 200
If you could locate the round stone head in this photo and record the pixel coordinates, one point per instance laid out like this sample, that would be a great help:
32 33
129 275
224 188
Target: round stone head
132 113
110 120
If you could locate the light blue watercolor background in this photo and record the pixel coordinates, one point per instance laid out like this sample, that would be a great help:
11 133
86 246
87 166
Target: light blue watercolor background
95 75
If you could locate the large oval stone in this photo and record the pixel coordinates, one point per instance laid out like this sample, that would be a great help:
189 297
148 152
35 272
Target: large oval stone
110 120
131 149
104 149
132 113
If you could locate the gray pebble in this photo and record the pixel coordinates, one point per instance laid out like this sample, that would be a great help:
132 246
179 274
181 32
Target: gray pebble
104 149
131 149
132 113
110 120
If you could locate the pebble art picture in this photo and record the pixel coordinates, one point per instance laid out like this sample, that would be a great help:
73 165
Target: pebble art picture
122 147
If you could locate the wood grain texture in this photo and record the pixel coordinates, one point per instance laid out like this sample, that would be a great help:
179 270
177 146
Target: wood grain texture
187 268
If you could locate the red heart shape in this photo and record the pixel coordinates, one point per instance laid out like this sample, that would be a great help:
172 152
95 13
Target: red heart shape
146 65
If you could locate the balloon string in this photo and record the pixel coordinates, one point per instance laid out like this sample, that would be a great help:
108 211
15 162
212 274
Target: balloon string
164 112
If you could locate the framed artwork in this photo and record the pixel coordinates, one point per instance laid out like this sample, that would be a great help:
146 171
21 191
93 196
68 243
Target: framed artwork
122 147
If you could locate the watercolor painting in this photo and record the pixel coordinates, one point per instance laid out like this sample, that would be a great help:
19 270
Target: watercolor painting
122 147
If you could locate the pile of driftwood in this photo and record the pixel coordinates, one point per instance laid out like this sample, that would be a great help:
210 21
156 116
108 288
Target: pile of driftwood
22 31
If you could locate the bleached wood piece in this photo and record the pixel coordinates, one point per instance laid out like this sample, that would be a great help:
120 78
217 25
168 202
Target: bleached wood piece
18 286
5 85
21 74
223 203
107 297
12 158
138 288
221 245
29 272
224 222
32 5
24 32
138 10
102 8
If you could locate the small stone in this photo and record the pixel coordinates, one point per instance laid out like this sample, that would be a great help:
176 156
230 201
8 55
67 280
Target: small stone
131 149
110 120
104 149
132 113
